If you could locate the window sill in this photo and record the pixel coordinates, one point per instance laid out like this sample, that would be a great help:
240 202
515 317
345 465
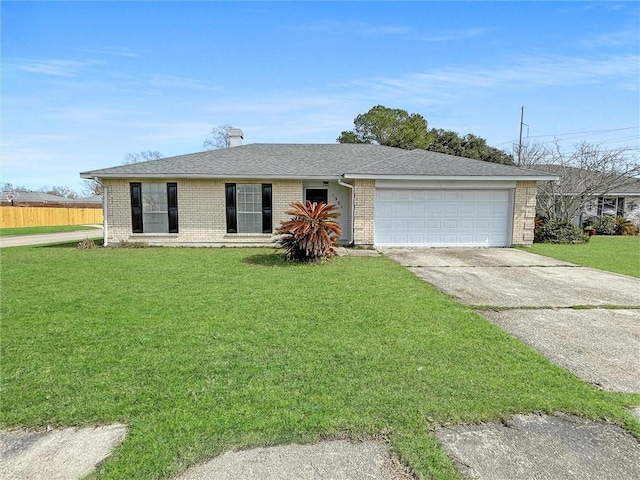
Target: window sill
147 235
248 235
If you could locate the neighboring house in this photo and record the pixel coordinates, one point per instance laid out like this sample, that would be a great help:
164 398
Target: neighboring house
386 196
41 199
612 195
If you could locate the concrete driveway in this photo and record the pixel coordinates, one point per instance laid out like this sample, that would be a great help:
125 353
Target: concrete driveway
531 297
506 277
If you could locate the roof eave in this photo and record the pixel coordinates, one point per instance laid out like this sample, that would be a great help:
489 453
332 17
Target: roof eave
451 177
92 175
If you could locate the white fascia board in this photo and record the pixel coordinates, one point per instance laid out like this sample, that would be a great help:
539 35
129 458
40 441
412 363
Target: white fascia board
446 184
453 177
205 176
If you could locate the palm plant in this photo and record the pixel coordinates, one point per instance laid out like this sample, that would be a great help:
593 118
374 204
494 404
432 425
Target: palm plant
311 233
624 226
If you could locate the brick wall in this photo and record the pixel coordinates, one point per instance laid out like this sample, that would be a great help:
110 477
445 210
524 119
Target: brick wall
524 213
201 212
365 199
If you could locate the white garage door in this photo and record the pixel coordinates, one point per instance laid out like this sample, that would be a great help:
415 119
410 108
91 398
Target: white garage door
462 218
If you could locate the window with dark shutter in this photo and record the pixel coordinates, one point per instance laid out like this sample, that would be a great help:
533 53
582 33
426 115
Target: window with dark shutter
620 207
230 200
136 207
267 226
172 206
248 208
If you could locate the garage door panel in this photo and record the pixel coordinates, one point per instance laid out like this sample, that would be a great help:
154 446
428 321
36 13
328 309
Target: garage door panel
442 217
451 209
466 224
466 208
384 208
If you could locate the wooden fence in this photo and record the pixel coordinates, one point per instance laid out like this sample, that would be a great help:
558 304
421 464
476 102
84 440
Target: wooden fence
12 217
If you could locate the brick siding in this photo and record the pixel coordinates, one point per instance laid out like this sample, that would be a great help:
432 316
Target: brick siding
365 201
524 213
201 212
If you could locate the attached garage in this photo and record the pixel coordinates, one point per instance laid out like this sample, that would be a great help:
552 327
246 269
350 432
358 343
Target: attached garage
443 217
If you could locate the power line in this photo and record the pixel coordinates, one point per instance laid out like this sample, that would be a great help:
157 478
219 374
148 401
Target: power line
590 132
582 133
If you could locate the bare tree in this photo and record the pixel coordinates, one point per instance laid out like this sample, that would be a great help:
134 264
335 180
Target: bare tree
91 188
10 187
587 172
143 156
218 138
60 191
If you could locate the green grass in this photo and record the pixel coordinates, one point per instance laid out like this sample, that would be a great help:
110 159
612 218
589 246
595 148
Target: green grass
200 351
618 254
5 232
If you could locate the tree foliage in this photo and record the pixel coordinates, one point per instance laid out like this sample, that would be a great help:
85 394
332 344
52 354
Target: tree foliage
585 172
392 127
218 138
469 146
143 156
311 233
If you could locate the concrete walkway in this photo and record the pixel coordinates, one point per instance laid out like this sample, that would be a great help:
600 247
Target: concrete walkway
46 238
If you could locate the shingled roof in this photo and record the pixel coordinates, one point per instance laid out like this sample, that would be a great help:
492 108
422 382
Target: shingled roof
273 160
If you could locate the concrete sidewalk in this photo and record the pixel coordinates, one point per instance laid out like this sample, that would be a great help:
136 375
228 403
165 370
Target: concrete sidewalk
46 238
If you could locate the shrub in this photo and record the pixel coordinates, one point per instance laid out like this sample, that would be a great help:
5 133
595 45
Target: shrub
130 244
560 232
87 244
311 233
624 227
604 225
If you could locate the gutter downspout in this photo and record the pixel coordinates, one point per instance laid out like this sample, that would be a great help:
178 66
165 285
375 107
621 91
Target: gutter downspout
105 224
353 211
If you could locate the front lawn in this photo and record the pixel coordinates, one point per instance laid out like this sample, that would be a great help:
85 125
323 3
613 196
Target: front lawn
6 232
200 351
618 254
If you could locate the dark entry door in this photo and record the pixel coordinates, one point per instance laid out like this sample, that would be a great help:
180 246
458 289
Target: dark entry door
316 195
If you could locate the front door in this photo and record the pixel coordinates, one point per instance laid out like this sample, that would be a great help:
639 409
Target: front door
316 195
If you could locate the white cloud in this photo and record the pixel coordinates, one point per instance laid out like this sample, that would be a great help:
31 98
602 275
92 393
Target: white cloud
453 35
357 28
53 67
526 71
172 81
115 51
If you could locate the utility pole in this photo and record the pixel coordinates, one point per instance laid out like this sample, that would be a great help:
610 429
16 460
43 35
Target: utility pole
520 141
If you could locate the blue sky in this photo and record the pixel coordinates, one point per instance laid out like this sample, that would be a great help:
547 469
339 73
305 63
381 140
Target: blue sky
83 84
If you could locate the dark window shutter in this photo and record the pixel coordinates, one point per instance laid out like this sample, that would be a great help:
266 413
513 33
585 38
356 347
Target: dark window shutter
172 203
620 209
136 207
600 202
267 226
230 198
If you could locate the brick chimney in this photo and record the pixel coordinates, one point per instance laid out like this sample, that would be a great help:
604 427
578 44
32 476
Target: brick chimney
235 137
